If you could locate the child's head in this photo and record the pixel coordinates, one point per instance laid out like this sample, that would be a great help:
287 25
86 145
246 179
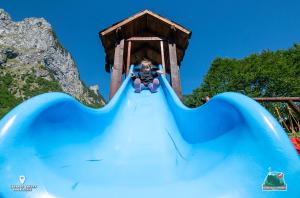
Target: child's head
146 65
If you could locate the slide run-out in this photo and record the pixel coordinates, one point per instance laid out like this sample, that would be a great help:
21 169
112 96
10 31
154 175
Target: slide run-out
144 145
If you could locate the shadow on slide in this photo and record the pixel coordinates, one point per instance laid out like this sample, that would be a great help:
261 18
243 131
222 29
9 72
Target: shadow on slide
145 145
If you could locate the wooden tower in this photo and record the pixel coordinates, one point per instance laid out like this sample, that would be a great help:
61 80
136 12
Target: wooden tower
144 35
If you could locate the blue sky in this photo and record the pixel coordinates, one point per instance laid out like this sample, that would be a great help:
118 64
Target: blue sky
231 28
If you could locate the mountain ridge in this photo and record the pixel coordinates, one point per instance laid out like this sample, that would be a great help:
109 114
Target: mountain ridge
33 61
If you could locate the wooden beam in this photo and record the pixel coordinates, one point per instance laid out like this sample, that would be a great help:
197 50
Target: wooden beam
163 63
128 57
277 99
150 38
112 48
130 19
175 74
169 22
145 46
289 100
117 69
164 38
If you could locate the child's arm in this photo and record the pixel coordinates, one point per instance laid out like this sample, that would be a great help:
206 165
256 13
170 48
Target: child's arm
159 72
156 73
133 76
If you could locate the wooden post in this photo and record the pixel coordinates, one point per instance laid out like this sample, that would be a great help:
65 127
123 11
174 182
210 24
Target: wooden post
117 69
163 57
175 75
128 57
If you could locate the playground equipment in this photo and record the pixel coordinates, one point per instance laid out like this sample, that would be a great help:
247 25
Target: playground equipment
288 114
145 145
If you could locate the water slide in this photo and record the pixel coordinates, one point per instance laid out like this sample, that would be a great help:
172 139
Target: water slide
143 145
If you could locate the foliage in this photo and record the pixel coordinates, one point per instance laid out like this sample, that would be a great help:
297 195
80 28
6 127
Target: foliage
17 86
7 99
297 134
268 74
28 85
38 85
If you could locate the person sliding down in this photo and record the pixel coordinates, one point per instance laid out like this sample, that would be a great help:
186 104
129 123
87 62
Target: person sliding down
146 78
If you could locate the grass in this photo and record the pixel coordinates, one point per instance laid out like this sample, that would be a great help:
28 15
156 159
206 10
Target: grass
297 134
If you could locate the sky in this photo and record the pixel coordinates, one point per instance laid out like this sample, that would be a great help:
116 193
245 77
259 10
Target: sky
220 28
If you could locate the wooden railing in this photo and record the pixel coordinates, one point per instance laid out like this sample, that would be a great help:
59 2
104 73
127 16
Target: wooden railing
289 100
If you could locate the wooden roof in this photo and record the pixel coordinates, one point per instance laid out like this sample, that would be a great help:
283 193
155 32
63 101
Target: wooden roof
144 24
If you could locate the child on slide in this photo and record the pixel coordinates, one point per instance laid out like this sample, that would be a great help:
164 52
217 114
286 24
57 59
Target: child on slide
146 78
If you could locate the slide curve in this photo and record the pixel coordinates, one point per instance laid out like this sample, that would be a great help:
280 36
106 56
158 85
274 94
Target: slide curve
144 145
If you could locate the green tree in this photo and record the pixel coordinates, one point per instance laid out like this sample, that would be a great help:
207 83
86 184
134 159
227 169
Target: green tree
7 99
268 74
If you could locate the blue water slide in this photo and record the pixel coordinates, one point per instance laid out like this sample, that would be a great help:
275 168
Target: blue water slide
143 145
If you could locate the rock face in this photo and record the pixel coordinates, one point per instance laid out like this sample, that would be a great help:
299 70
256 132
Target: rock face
30 47
94 88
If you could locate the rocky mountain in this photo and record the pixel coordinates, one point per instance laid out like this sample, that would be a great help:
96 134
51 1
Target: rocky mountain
32 61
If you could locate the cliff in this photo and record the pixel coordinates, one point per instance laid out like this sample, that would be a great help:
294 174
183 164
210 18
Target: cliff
32 61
